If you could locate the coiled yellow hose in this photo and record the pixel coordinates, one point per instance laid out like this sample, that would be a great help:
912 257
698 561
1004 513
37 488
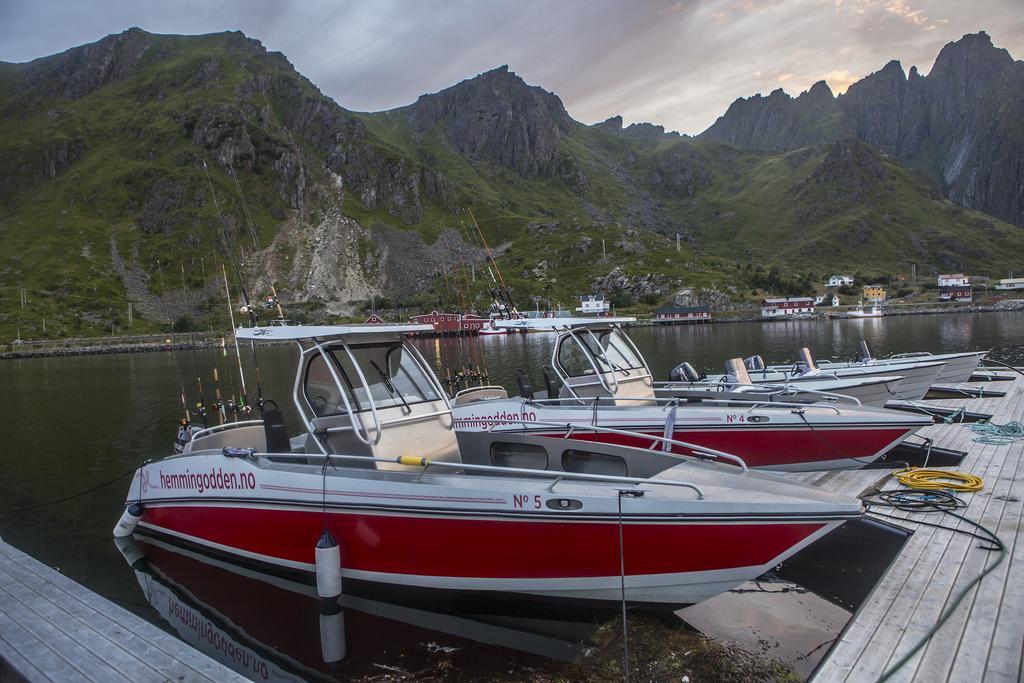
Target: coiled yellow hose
934 480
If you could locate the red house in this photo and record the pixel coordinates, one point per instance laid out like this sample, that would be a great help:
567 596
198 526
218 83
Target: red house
956 293
376 320
682 314
451 323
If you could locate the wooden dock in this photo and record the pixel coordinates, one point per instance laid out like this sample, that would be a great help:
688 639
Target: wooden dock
983 639
53 629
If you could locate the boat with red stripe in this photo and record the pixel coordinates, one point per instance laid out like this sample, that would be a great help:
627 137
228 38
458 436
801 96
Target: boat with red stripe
603 391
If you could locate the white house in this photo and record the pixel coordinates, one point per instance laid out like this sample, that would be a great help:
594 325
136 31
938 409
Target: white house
593 304
1011 283
835 300
954 280
840 280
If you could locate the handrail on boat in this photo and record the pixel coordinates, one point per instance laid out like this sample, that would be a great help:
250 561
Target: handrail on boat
557 476
773 389
412 461
207 431
573 426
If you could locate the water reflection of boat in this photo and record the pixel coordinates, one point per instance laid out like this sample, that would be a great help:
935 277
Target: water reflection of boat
274 628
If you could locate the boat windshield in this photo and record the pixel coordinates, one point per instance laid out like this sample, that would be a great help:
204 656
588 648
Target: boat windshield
619 353
611 353
393 378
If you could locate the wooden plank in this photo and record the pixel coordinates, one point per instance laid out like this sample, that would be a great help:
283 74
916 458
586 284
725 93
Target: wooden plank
960 564
158 664
44 665
154 638
64 616
57 643
932 567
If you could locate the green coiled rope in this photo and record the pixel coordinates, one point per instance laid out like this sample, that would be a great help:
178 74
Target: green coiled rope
999 435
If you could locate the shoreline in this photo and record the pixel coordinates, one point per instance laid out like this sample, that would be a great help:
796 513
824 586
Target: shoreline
13 351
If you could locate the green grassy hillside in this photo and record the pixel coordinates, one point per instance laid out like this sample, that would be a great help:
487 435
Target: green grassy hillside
103 196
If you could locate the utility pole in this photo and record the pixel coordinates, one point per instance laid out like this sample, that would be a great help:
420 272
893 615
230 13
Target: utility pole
129 315
604 254
677 242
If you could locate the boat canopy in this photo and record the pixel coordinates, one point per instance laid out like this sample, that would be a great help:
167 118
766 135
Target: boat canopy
561 323
348 332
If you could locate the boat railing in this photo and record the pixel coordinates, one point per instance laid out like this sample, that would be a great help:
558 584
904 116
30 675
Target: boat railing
668 402
772 389
207 431
572 427
557 476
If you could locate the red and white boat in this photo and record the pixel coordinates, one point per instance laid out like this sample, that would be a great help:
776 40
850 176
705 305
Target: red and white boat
379 466
605 393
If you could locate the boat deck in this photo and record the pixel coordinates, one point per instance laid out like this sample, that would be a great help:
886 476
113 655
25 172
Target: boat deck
984 637
53 629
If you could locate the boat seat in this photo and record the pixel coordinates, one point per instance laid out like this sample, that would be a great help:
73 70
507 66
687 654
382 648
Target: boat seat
275 431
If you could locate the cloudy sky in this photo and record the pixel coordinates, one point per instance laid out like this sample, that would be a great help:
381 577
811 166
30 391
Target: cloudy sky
679 63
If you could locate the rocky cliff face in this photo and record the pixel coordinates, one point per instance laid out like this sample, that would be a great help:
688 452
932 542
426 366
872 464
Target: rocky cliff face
960 125
497 117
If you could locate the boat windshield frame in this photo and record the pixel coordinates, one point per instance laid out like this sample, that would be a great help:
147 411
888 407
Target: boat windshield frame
307 355
604 370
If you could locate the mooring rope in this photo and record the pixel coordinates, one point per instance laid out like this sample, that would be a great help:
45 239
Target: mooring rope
996 434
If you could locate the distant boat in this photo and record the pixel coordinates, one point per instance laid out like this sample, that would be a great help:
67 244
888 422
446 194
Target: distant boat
859 312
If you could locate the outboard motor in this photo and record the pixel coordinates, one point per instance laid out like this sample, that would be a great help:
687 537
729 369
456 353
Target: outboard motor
754 363
684 372
525 388
736 372
183 437
864 355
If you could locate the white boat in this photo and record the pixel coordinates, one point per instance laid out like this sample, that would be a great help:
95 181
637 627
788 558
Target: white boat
868 391
918 374
379 466
605 388
958 366
859 312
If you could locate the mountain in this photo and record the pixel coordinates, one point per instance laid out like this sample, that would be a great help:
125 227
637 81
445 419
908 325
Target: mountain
961 126
127 161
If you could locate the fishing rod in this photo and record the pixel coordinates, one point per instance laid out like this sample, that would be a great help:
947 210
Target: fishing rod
490 255
200 406
186 420
244 399
247 308
256 242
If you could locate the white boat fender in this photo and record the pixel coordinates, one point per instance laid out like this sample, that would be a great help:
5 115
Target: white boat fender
129 520
332 633
132 552
328 567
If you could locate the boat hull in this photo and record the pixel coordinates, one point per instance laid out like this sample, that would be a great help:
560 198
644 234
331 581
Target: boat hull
577 560
785 439
476 533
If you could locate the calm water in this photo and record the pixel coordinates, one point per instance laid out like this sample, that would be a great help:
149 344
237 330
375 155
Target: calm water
74 423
